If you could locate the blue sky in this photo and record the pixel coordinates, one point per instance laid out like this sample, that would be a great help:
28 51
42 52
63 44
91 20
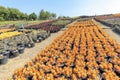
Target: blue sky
65 7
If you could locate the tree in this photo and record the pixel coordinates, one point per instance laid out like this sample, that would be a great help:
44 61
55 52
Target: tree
12 14
32 16
16 14
60 17
1 19
47 15
43 15
24 16
63 17
4 13
53 15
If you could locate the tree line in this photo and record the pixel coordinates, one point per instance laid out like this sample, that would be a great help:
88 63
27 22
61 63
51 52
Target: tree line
16 14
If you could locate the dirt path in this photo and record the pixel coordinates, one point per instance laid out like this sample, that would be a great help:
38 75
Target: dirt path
110 32
14 63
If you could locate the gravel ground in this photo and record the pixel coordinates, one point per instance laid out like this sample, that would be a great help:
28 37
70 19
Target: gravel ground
14 63
114 35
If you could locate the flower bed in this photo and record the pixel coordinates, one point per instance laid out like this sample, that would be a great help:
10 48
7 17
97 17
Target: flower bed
81 53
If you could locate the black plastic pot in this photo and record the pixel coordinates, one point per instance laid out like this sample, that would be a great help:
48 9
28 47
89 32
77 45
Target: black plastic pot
20 45
21 49
119 55
30 78
72 65
30 45
101 70
3 59
14 53
68 77
103 77
43 38
117 72
40 38
62 65
37 40
6 53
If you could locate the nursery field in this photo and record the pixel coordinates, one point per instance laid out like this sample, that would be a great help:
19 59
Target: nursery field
8 69
4 23
59 40
83 52
112 22
18 43
14 39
